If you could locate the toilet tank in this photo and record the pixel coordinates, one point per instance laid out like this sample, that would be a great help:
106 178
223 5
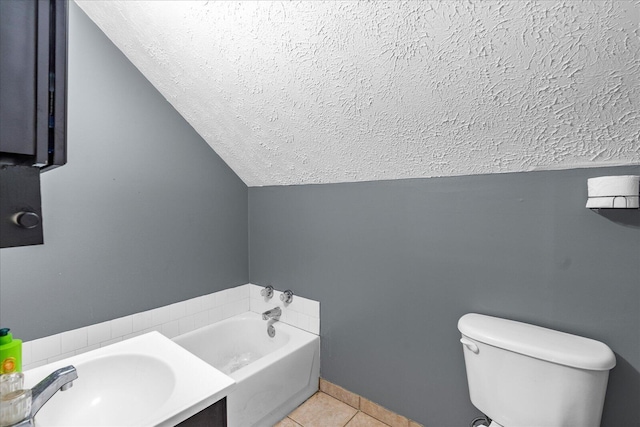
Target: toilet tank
522 375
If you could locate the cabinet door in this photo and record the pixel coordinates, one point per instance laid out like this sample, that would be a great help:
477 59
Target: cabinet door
18 48
213 416
33 58
20 211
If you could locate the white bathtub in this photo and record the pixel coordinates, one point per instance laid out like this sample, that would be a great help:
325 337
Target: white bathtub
273 375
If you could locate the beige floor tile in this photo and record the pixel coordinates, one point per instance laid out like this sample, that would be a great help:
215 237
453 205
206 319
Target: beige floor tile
340 393
287 422
383 414
363 420
322 410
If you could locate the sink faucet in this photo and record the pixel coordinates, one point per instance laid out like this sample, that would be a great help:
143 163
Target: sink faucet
62 380
274 314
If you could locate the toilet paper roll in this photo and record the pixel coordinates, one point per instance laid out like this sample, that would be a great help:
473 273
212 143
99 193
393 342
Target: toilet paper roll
611 186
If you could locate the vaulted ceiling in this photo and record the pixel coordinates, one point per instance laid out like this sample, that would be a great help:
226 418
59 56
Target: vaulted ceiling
299 92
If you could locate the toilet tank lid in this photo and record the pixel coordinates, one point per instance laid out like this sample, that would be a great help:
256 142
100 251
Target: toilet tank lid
535 341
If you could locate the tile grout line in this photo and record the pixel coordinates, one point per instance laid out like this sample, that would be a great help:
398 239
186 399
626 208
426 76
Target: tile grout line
349 420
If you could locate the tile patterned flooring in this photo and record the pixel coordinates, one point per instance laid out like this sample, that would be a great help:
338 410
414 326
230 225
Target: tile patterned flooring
322 410
334 406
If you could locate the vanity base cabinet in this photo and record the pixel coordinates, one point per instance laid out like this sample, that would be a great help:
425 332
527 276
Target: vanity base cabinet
213 416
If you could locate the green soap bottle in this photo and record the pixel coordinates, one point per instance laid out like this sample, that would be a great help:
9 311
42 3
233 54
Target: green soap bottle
10 353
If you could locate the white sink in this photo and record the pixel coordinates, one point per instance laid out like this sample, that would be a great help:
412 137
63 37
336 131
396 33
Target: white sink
144 381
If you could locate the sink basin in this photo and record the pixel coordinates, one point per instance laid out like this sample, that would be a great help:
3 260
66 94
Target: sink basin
145 381
134 383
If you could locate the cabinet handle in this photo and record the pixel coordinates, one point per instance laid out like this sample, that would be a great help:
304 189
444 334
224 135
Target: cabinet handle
27 219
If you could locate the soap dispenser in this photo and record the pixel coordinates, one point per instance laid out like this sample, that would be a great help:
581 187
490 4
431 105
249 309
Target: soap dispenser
10 353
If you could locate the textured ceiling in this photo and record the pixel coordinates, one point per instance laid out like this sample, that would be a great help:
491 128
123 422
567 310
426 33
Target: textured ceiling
335 91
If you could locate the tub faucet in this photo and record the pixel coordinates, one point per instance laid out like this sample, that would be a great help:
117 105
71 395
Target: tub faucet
62 380
274 314
267 292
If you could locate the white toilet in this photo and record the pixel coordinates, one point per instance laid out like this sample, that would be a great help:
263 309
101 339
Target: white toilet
522 375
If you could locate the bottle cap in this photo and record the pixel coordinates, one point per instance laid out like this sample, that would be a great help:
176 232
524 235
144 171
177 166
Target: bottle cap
5 336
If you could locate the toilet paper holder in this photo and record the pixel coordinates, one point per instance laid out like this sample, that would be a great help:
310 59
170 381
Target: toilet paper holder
613 192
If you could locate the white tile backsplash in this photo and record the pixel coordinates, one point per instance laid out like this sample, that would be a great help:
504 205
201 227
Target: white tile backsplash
27 357
160 315
60 356
141 321
215 315
194 305
85 349
178 310
122 326
74 340
200 319
46 347
111 341
314 324
99 333
171 320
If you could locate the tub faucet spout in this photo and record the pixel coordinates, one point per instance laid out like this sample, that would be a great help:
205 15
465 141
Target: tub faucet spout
274 314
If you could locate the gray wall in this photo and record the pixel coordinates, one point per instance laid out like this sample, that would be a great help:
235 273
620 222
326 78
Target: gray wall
395 264
143 215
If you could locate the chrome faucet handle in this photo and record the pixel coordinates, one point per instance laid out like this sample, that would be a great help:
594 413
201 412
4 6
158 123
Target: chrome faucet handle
267 291
287 296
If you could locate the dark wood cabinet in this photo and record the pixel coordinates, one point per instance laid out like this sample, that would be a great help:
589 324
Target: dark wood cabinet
20 211
213 416
33 77
33 93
